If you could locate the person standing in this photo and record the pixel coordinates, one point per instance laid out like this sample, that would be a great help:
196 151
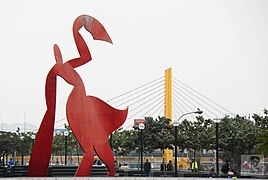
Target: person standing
194 166
226 167
11 162
170 166
163 166
147 168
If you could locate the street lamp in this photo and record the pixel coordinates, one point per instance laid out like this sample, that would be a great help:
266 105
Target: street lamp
22 153
141 127
3 153
217 120
33 138
66 134
194 112
4 158
175 124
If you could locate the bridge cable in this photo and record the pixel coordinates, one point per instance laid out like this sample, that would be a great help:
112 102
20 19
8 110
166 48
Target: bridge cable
184 89
176 80
157 105
134 89
192 99
144 104
139 95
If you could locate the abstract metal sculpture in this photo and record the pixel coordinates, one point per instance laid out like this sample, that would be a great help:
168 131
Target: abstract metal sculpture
91 119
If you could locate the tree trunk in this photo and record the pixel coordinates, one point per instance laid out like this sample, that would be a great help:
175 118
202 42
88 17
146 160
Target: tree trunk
77 153
61 158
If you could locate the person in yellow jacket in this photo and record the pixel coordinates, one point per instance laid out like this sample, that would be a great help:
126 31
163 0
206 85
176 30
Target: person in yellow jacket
194 166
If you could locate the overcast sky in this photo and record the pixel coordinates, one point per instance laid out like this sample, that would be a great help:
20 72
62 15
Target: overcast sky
219 48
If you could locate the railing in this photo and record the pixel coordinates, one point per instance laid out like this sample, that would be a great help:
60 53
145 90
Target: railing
101 171
53 171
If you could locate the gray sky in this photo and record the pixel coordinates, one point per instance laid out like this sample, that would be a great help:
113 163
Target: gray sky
219 48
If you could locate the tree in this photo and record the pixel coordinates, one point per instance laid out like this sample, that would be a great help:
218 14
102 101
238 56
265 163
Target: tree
73 145
261 121
196 135
121 141
15 143
24 143
262 142
262 139
58 146
237 136
158 134
9 142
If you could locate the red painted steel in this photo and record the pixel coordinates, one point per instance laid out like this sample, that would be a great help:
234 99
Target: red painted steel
91 119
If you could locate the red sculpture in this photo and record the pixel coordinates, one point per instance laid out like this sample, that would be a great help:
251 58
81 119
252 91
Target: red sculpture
91 119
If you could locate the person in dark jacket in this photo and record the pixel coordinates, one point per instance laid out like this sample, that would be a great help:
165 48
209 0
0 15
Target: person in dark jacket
147 168
225 168
170 166
163 166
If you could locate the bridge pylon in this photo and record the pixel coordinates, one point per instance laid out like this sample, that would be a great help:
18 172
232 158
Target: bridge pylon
168 94
168 153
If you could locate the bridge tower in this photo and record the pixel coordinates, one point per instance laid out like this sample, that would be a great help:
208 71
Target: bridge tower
168 94
168 153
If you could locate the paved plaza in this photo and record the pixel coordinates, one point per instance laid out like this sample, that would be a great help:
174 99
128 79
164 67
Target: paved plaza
115 178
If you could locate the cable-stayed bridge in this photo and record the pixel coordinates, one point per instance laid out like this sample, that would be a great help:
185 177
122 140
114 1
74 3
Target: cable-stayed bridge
150 99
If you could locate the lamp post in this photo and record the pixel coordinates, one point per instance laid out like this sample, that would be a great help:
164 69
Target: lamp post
217 120
141 127
22 153
3 153
33 138
66 134
3 158
175 124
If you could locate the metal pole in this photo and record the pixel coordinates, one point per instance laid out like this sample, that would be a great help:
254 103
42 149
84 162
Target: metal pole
78 161
194 162
111 141
32 143
176 151
65 150
141 152
22 158
6 159
3 158
217 148
33 138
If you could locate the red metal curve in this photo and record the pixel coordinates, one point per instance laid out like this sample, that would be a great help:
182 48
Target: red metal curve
91 119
